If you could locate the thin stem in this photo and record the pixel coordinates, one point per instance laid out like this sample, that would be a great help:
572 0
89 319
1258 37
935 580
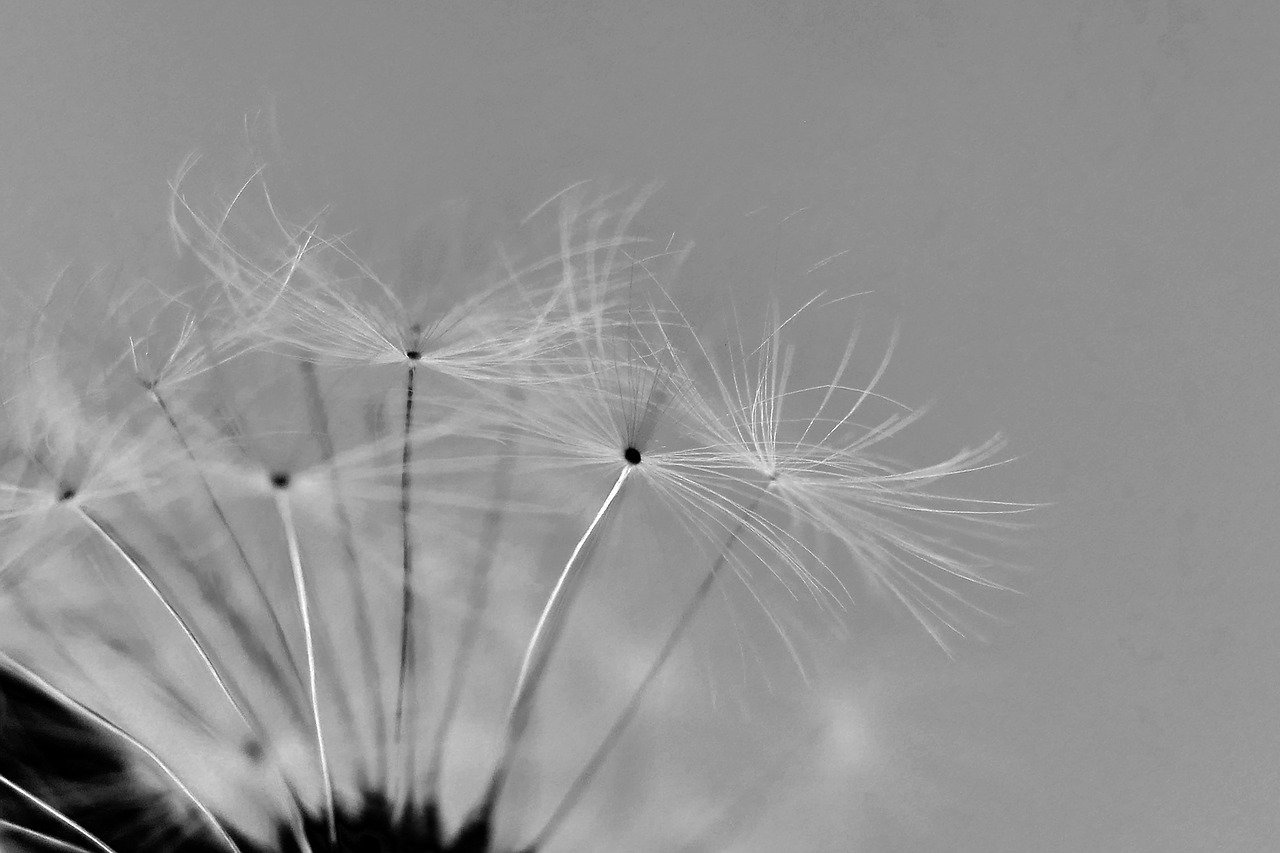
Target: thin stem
185 703
364 624
109 535
490 532
545 637
55 814
182 701
406 682
43 627
288 683
93 716
39 837
295 562
406 542
221 515
611 738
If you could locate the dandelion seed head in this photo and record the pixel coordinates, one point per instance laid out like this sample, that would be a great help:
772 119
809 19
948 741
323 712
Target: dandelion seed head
318 556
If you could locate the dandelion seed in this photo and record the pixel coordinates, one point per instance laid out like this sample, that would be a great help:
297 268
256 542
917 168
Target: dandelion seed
830 480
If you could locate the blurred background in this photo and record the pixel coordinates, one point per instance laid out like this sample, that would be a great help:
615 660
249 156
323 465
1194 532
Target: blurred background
1070 207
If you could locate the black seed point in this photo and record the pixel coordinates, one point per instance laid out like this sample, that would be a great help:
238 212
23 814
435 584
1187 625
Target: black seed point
413 355
280 479
67 493
631 455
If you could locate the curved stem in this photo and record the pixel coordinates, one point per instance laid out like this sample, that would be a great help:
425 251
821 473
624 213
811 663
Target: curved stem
478 598
93 716
364 624
56 814
41 839
269 664
295 562
545 637
611 738
135 562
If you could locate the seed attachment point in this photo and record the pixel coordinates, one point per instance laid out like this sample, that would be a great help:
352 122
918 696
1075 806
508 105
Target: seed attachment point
632 455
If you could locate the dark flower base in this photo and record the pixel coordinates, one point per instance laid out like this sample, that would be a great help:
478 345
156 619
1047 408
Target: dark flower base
60 758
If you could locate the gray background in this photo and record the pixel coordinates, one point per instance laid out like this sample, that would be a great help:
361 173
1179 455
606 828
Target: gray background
1072 207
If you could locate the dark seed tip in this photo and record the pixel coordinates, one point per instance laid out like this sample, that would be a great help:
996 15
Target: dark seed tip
631 455
253 750
280 479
